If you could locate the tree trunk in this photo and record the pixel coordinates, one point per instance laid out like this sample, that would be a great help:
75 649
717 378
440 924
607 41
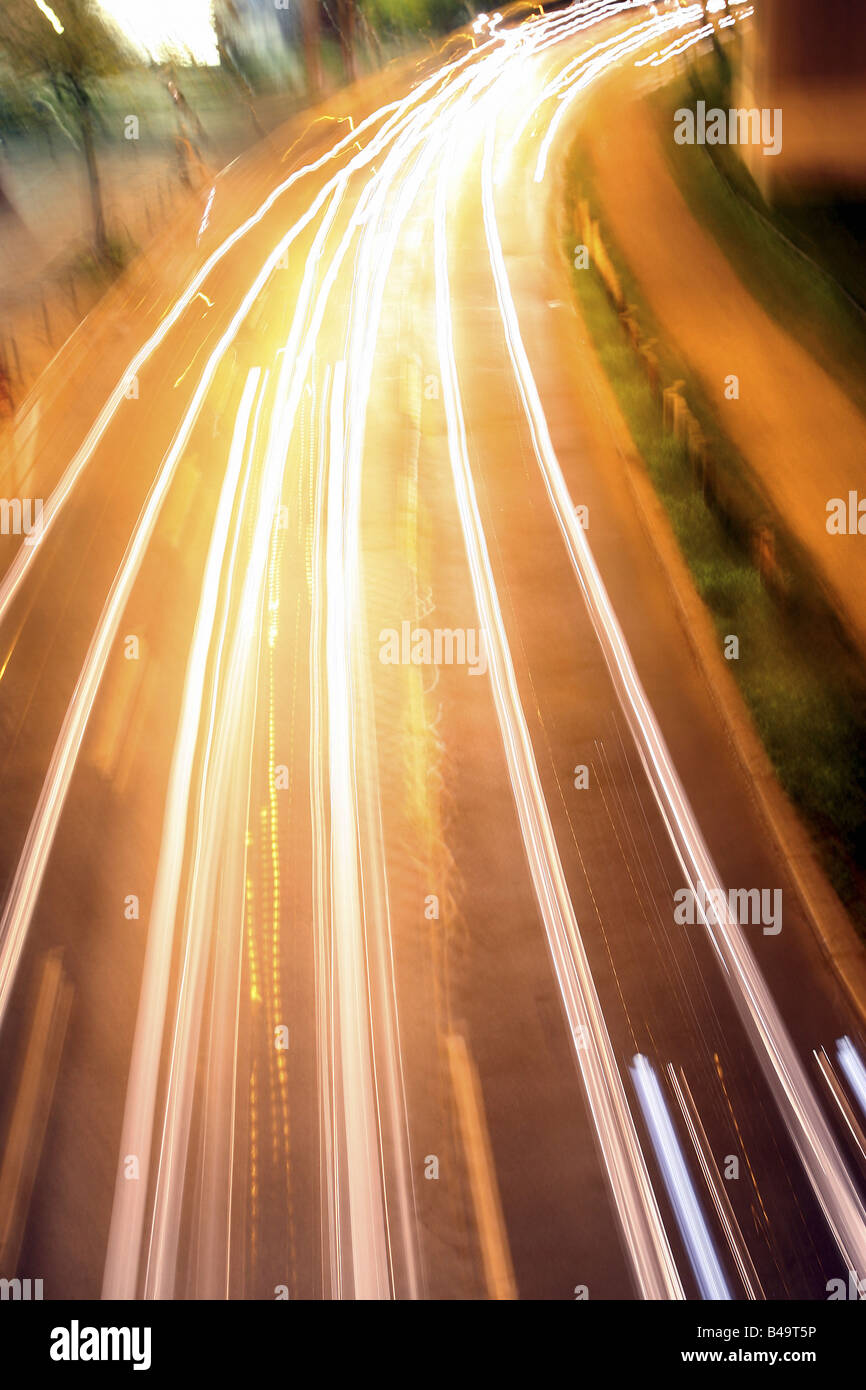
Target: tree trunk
346 22
312 57
85 125
8 210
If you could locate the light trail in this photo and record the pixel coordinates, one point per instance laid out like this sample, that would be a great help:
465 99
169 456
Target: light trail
49 15
606 55
565 76
124 1240
328 1098
216 1208
21 900
369 1272
364 1263
724 1211
14 576
852 1065
640 1221
215 886
840 1098
371 1263
678 47
359 377
128 1214
684 1199
365 1253
385 115
348 696
823 1162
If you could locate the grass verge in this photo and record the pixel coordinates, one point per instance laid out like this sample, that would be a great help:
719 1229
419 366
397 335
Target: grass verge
802 682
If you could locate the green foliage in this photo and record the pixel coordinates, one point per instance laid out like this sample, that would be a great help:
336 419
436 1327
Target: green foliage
408 16
88 47
119 250
69 47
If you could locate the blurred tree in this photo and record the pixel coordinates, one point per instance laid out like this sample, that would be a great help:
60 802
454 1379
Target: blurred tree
299 20
310 28
70 44
346 31
416 16
7 207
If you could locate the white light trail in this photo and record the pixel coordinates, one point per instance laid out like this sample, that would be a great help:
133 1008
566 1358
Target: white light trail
855 1072
215 883
684 1199
388 116
21 900
127 1220
609 53
724 1211
642 1229
50 16
370 1257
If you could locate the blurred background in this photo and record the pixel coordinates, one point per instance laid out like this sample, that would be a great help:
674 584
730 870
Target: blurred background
113 113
